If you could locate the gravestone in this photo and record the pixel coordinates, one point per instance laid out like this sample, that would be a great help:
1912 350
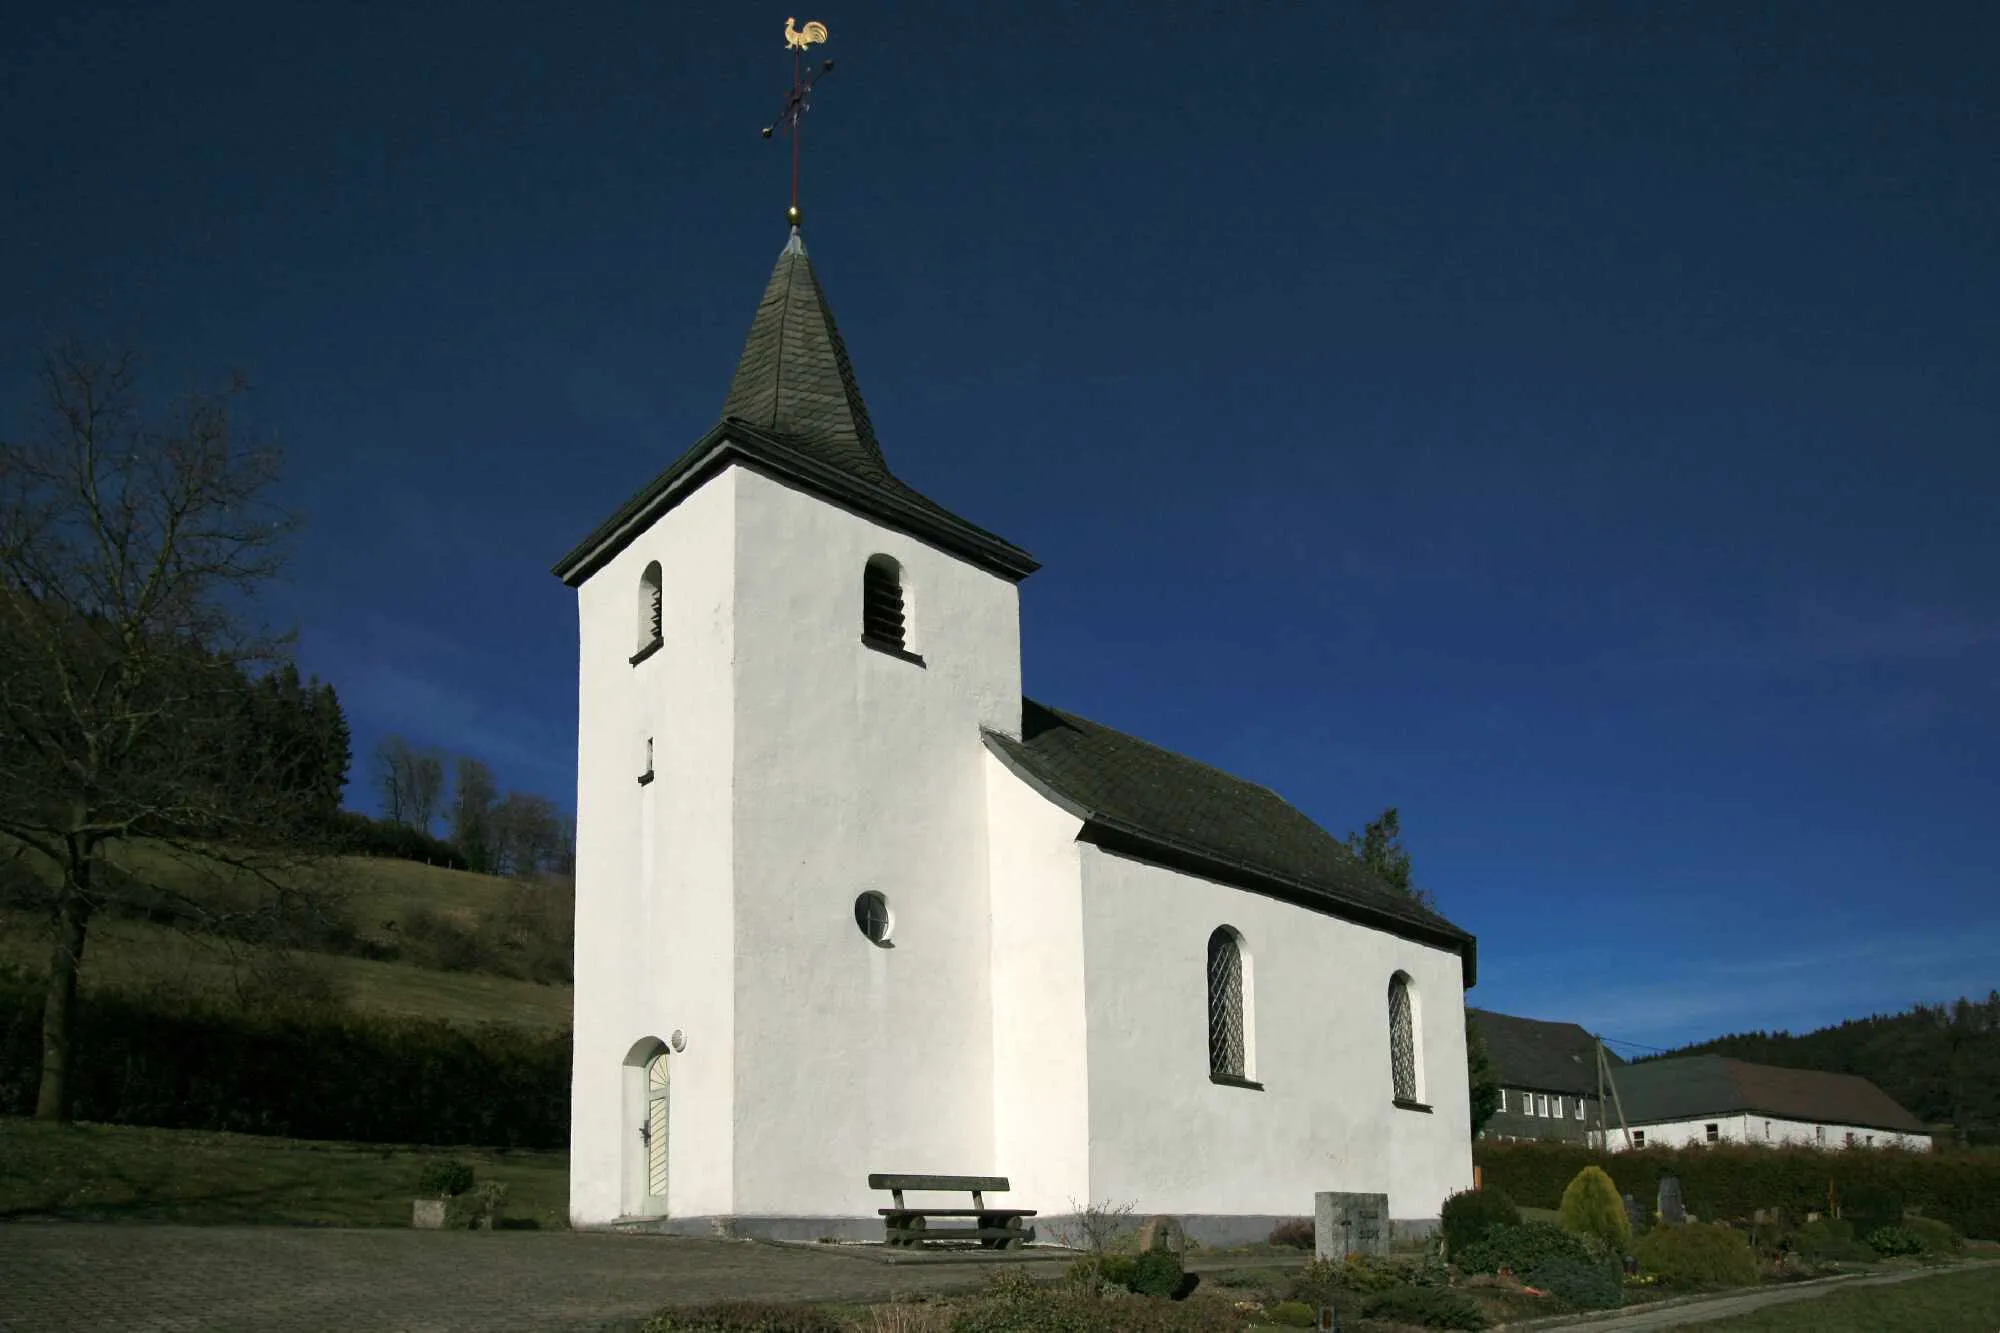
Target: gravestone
1672 1211
1634 1214
1345 1224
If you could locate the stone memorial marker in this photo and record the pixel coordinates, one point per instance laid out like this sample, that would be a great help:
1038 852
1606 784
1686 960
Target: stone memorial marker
1345 1224
1672 1211
1634 1214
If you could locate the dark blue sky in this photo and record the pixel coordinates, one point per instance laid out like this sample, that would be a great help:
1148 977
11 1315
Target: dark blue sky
1577 425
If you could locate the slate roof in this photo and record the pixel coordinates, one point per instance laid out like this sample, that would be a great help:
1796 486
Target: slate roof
1136 798
794 411
1689 1087
1538 1055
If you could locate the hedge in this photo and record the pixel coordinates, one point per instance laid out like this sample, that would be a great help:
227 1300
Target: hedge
335 1075
1730 1182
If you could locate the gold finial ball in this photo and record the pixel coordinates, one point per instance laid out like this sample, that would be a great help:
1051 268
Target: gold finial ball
792 215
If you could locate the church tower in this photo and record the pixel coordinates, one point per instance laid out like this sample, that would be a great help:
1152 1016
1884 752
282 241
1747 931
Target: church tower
783 953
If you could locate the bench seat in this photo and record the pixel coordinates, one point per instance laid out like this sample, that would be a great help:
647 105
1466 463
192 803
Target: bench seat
957 1212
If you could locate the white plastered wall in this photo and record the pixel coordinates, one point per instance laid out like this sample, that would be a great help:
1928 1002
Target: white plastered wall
855 771
1168 1140
1750 1127
1041 1086
653 932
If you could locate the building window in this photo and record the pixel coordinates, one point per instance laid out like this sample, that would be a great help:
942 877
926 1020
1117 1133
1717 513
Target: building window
646 775
1711 1133
871 915
1579 1108
651 629
1849 1142
1402 1040
1541 1104
1638 1138
882 603
1527 1103
1228 1053
1503 1099
1869 1141
1819 1133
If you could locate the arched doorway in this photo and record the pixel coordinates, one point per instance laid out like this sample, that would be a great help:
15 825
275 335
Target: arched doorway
648 1082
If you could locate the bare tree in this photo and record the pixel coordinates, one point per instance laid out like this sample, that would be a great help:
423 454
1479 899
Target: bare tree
472 813
426 789
129 556
527 834
394 760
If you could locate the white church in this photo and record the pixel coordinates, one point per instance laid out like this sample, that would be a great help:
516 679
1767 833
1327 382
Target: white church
847 902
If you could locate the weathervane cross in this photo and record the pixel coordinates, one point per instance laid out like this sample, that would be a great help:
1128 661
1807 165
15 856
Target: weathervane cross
792 118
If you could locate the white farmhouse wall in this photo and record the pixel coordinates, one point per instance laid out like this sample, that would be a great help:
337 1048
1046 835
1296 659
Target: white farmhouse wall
653 932
1041 1084
1750 1127
1167 1139
855 771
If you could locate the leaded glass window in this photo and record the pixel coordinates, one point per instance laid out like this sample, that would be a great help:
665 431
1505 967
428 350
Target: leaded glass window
1402 1041
1225 1004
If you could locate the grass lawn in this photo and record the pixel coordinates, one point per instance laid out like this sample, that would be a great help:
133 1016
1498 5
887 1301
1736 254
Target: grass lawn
1947 1303
121 1173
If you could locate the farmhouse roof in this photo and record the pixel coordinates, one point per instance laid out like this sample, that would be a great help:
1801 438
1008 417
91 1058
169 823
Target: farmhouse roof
794 412
1539 1055
1138 799
1692 1086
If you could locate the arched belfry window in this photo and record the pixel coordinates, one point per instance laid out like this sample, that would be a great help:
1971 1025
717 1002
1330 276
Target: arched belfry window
651 629
1227 1051
882 603
1402 1039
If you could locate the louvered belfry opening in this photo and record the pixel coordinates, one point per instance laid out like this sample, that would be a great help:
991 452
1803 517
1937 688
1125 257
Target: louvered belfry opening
1402 1041
1225 1004
650 628
882 603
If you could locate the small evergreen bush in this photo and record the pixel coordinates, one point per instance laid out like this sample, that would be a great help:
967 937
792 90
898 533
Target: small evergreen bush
445 1177
1589 1286
1522 1249
1894 1242
1592 1208
1831 1240
1296 1232
1292 1314
1433 1307
1936 1237
1156 1273
1700 1254
1470 1214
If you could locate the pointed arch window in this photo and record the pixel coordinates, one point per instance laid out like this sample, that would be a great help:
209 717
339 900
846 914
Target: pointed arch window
1228 1009
652 631
1404 1057
882 618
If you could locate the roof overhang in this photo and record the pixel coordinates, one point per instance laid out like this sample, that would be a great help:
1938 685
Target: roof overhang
734 442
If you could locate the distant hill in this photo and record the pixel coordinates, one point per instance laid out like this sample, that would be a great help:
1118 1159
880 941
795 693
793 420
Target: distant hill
1941 1062
401 938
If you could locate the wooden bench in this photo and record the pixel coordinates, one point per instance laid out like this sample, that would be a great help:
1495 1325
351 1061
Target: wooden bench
994 1228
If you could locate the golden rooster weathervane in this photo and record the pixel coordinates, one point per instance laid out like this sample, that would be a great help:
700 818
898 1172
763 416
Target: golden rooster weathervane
796 105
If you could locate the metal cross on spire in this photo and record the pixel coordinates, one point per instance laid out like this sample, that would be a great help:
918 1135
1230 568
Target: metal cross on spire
792 117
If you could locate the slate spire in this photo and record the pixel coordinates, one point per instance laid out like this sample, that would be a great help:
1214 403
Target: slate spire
794 381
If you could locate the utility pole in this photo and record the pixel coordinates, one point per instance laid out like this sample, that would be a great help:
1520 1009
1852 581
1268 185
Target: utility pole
1604 1075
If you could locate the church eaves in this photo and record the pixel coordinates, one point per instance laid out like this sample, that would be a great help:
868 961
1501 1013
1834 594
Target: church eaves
794 412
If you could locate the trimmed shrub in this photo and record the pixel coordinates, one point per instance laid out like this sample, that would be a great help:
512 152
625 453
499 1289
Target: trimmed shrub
445 1176
1734 1180
1936 1237
1433 1307
1894 1242
1591 1208
1831 1240
1588 1286
1292 1314
1470 1214
1015 1303
744 1317
1871 1205
1296 1232
1522 1249
1700 1254
1156 1273
1321 1278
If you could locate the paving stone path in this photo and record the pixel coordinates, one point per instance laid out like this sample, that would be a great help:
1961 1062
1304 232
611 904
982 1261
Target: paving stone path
59 1276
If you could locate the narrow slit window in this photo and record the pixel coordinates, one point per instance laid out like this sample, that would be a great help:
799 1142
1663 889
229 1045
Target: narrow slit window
1402 1040
652 631
1225 1004
882 617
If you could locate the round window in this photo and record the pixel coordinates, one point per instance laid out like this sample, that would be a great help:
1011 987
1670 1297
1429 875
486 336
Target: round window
871 914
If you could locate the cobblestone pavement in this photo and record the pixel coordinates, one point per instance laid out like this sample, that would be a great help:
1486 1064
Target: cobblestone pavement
58 1276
